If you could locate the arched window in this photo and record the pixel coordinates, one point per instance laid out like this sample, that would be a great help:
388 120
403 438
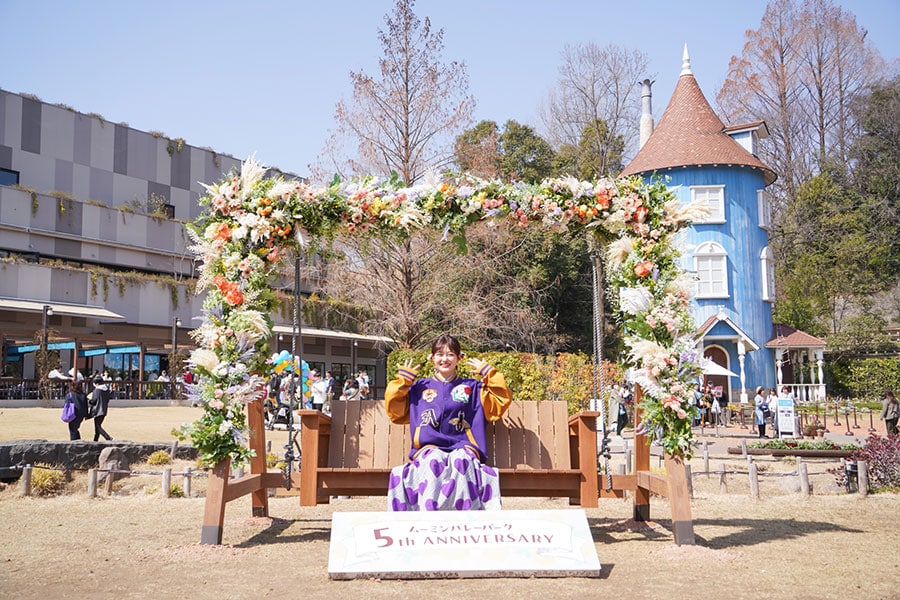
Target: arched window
710 264
767 267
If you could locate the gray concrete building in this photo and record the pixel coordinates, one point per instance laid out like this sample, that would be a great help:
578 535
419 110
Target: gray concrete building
93 248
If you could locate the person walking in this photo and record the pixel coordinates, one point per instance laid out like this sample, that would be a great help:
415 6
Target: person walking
77 397
99 405
761 414
890 412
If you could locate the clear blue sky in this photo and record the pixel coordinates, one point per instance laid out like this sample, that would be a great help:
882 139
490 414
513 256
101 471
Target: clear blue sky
264 76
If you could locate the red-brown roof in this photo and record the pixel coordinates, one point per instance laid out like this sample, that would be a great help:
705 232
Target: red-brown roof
788 337
690 134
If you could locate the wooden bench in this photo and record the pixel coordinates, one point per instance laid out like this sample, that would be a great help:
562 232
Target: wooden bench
538 449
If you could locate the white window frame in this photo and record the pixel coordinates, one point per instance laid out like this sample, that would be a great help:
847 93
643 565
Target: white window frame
714 196
767 267
765 209
711 267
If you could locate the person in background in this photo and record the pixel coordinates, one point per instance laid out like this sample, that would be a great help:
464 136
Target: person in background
622 411
77 397
363 380
890 412
99 405
761 414
351 390
319 389
447 417
329 392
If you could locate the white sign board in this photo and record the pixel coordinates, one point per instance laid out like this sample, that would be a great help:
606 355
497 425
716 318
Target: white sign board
785 416
453 544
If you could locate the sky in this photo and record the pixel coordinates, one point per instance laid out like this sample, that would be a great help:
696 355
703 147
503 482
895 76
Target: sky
264 77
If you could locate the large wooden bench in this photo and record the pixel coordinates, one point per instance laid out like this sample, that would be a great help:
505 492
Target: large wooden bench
538 449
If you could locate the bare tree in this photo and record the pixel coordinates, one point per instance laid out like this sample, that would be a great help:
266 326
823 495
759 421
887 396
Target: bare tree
595 84
406 118
420 287
800 71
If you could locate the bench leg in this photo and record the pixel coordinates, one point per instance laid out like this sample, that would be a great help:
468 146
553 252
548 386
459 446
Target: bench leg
214 513
679 501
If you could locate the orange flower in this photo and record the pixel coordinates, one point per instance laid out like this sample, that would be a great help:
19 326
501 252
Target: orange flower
603 199
643 268
640 213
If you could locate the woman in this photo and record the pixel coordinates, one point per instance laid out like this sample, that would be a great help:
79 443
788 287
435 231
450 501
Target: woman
99 406
447 416
77 397
762 410
890 412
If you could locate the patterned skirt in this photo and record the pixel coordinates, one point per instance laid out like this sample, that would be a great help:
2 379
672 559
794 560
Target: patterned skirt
440 480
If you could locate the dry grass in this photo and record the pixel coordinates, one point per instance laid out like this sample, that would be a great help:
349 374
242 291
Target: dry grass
135 544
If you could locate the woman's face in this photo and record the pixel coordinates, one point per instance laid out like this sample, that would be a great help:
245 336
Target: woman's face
445 362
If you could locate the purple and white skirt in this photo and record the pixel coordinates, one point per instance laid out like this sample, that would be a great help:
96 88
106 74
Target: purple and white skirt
440 480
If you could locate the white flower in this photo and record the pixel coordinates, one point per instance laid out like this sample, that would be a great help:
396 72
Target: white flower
635 300
205 359
251 172
617 252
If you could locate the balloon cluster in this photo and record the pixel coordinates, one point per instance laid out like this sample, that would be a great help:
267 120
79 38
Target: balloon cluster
284 362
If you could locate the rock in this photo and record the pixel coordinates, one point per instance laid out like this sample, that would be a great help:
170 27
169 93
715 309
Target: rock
112 459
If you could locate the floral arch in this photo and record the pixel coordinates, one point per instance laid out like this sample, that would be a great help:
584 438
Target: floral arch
253 223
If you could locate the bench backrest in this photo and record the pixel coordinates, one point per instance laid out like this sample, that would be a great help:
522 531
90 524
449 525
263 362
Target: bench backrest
532 434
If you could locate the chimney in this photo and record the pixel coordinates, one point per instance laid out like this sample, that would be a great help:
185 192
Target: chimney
646 112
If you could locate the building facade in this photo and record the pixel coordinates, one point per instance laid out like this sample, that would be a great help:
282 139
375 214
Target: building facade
94 248
728 252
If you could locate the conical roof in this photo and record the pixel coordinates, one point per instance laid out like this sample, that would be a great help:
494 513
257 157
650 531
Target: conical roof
691 134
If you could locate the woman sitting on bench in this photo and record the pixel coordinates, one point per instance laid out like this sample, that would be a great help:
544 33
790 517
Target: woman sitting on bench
447 417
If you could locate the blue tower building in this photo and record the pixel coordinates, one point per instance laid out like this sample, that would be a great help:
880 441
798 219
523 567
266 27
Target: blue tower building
728 253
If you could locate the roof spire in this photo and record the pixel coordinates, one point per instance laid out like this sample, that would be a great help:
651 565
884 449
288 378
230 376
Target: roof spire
686 63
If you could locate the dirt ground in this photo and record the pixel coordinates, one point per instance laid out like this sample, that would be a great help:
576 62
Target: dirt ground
135 544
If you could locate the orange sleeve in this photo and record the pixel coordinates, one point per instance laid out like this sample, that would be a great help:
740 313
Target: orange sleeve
495 396
396 396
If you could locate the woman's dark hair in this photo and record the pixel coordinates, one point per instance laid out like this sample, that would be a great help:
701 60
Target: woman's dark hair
446 341
77 386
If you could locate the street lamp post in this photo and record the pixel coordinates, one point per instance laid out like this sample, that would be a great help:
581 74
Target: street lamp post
173 372
45 325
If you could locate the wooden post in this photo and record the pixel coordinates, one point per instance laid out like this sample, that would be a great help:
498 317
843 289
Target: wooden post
167 482
754 481
259 498
679 501
804 477
621 471
92 483
744 448
641 461
173 452
110 478
188 475
628 462
25 483
863 475
689 478
706 460
723 485
214 512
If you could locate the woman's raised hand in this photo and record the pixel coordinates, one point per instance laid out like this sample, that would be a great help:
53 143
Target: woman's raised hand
477 364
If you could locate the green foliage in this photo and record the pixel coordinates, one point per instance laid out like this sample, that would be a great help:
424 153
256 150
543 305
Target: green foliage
160 457
47 481
872 376
176 491
822 444
515 152
598 154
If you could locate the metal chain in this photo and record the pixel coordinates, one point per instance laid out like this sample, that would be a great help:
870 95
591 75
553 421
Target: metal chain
597 293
